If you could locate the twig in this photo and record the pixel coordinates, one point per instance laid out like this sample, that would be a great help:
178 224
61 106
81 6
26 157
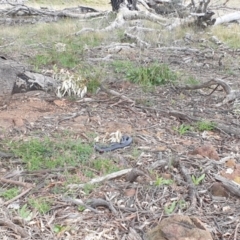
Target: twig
192 191
236 232
17 229
117 94
231 186
220 82
18 196
101 179
72 116
15 182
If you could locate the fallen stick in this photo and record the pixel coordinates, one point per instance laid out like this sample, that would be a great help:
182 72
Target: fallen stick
15 182
101 179
18 196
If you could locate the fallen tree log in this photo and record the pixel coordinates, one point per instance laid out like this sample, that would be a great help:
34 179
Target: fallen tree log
228 18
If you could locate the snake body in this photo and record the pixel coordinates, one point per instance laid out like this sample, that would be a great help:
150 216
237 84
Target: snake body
125 141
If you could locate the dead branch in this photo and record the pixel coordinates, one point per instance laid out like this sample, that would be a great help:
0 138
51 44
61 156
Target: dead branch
230 185
18 196
228 18
123 15
231 95
192 190
23 184
101 179
139 42
114 93
220 82
78 12
17 229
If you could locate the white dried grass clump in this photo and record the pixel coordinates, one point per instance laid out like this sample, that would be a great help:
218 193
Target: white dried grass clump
70 84
110 137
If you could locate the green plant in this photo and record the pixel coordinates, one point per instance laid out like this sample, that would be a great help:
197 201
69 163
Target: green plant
122 66
182 204
10 193
205 125
154 74
161 181
88 188
182 129
40 60
135 153
169 209
105 166
58 228
228 35
42 205
145 102
81 208
93 85
192 81
48 153
25 213
198 180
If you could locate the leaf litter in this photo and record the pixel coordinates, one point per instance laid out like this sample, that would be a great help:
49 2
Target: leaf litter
129 202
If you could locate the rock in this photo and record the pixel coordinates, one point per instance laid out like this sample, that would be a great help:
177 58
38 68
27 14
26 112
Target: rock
179 227
218 190
14 78
206 151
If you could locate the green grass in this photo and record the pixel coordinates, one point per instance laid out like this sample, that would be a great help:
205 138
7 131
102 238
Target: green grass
25 213
88 188
42 205
46 153
70 57
191 81
161 181
153 74
9 193
183 129
197 180
169 209
105 166
205 125
229 35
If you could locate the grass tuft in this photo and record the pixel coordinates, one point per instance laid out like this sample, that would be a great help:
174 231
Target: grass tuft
151 75
41 154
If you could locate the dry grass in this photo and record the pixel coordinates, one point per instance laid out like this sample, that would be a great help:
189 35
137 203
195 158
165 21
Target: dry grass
229 35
